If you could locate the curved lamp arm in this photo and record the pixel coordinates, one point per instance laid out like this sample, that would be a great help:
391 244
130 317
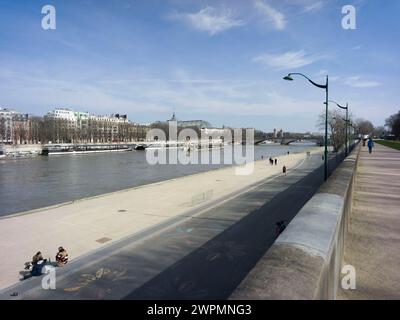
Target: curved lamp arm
341 107
322 86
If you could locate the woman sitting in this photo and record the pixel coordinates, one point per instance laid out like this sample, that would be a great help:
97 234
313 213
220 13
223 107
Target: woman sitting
61 257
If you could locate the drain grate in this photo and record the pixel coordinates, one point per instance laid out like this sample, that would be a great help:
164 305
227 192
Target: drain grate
103 240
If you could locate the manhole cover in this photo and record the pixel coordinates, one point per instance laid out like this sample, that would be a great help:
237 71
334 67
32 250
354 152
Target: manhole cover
103 240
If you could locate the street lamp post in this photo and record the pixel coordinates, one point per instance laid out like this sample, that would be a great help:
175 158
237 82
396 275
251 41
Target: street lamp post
325 86
347 122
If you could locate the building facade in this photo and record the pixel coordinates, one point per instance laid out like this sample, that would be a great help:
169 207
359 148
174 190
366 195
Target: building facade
68 126
14 127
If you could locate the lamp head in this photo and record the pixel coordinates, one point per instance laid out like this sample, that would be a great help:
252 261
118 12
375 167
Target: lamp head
288 78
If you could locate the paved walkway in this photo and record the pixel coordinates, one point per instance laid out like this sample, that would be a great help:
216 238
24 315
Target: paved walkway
373 242
90 224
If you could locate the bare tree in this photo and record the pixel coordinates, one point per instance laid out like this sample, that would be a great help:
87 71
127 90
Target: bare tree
364 127
379 132
393 122
336 126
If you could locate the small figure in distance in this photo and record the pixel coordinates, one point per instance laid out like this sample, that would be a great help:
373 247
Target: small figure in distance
284 170
276 161
370 144
61 257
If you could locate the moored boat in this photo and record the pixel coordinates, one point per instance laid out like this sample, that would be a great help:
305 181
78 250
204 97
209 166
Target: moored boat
64 149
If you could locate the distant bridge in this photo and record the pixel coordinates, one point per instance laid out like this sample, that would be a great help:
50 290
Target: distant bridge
260 137
287 141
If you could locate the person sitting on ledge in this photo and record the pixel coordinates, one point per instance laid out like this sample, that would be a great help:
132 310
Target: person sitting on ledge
36 258
37 269
61 257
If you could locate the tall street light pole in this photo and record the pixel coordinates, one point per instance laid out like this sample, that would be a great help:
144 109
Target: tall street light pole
325 86
347 122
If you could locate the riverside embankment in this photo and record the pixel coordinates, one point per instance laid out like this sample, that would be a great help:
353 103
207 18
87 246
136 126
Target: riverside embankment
352 221
39 182
86 225
306 260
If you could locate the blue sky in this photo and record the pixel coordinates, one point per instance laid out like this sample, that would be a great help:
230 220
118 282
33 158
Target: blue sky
222 61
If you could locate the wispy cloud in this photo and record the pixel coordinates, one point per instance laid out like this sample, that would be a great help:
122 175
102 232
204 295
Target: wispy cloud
210 20
271 15
287 60
313 7
321 74
358 82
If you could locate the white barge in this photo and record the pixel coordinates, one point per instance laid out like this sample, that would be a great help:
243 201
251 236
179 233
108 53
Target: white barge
65 149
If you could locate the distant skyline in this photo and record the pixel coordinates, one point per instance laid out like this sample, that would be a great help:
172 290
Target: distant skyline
221 61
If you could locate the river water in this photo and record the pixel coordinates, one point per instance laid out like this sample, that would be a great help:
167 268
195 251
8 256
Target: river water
27 184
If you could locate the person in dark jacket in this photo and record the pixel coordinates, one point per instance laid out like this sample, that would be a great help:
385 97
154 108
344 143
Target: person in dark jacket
38 267
370 145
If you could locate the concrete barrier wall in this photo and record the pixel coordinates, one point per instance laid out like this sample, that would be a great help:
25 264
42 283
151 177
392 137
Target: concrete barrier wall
306 260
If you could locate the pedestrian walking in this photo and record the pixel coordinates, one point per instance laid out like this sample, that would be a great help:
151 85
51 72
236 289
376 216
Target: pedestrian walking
284 170
370 144
276 161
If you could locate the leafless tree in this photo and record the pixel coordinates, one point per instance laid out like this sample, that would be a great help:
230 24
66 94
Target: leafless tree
336 126
364 127
393 122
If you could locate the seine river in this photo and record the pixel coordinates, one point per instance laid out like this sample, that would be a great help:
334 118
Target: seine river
27 184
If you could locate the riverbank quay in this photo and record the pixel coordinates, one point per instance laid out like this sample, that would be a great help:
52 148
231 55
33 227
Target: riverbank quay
88 224
306 260
344 243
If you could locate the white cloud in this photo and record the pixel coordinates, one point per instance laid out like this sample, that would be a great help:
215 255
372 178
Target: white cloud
287 60
321 74
155 98
272 15
313 7
357 82
210 20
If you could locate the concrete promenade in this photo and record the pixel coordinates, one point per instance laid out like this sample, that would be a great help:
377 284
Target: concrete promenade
89 224
372 245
